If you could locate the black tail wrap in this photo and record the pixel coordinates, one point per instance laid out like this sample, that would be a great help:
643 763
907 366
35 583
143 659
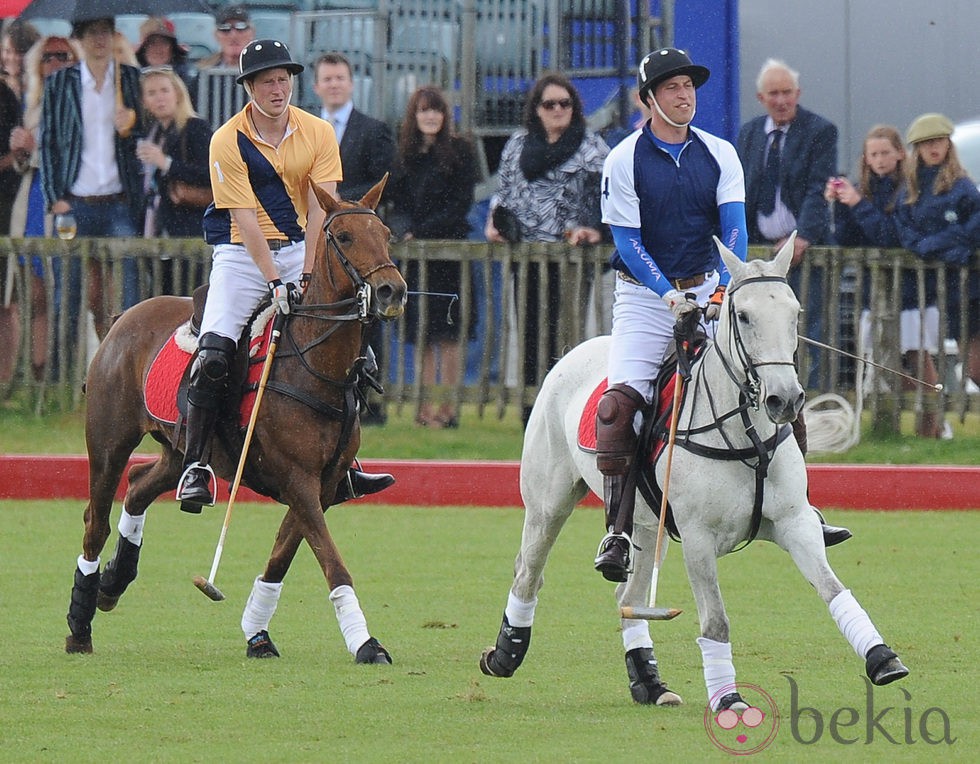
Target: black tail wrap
81 611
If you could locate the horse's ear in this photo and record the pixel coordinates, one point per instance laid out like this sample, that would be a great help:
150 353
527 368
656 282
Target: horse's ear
328 203
784 257
731 260
373 197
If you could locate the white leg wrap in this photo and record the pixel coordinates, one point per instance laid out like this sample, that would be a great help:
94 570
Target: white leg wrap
88 568
260 608
854 623
520 614
350 617
637 634
131 528
719 671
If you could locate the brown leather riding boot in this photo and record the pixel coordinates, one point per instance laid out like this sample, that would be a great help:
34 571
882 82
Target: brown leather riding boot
615 456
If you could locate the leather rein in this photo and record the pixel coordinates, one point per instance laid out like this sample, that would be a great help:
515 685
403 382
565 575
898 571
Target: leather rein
335 314
758 455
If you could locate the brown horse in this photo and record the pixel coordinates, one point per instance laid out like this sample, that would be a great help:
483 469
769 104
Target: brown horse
306 435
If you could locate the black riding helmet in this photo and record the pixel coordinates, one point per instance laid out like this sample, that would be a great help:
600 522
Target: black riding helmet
260 55
665 63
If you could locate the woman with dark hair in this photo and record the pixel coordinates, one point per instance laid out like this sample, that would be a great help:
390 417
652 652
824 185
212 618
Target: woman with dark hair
432 191
549 191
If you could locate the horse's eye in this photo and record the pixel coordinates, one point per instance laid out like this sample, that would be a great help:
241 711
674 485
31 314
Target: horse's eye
743 317
344 237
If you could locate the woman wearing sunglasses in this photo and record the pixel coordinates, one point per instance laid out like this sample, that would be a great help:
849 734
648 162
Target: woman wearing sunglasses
549 187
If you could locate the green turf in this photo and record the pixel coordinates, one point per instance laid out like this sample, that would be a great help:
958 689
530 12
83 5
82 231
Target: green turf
486 437
169 680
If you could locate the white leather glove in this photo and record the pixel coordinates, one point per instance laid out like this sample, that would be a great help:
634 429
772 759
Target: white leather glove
280 295
680 304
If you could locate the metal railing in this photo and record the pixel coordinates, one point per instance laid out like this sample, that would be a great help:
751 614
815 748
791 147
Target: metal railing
65 293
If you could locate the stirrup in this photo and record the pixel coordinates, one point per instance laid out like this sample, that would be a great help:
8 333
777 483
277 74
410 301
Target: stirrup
212 481
610 573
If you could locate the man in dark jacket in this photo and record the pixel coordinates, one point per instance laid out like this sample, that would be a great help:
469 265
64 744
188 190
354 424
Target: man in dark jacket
367 152
367 149
788 154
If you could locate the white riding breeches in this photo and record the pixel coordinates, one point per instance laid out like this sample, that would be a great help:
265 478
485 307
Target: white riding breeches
642 328
237 286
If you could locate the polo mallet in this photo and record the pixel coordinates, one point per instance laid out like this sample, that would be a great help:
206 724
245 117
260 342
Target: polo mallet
816 343
206 585
651 612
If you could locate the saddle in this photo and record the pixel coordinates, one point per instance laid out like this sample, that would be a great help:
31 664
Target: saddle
656 419
165 388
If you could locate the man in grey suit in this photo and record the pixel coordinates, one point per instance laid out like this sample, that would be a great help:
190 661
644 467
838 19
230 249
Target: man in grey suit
788 154
367 152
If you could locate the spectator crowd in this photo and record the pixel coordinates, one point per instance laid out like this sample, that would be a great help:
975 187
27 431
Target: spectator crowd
106 135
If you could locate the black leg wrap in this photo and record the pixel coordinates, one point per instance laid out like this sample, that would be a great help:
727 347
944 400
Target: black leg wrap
729 700
504 658
261 646
645 683
372 651
884 666
119 573
81 611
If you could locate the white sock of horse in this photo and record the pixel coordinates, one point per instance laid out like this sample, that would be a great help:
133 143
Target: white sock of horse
637 635
854 623
353 625
520 614
88 568
131 528
261 606
719 671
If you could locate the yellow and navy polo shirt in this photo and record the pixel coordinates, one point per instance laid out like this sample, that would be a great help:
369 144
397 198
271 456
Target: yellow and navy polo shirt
248 173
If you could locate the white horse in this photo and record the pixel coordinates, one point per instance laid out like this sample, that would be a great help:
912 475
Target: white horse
743 391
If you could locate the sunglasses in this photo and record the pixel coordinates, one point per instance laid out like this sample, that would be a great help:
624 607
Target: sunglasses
238 26
165 68
57 55
564 103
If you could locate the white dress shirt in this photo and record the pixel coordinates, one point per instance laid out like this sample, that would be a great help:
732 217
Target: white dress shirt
99 173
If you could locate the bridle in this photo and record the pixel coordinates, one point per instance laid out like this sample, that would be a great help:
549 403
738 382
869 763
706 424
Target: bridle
758 455
751 384
336 314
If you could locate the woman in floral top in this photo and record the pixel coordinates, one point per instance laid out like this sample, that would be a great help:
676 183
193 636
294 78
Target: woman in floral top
549 181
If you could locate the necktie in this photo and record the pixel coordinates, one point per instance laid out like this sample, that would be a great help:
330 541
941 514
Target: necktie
770 178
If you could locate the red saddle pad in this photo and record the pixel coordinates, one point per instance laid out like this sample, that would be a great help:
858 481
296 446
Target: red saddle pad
586 423
167 369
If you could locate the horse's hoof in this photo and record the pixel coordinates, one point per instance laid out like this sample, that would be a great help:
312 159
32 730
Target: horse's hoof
655 694
74 644
105 603
732 701
372 652
884 666
260 646
491 667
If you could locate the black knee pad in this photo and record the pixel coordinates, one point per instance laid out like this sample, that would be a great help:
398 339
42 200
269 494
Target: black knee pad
209 374
615 436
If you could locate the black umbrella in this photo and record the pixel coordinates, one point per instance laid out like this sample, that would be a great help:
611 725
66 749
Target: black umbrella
87 10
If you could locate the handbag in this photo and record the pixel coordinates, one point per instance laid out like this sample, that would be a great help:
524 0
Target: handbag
184 194
507 224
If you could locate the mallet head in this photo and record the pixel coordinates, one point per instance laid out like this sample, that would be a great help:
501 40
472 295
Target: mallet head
649 613
210 590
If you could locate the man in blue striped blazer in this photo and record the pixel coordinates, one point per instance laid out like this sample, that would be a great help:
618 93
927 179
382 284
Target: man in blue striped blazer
88 148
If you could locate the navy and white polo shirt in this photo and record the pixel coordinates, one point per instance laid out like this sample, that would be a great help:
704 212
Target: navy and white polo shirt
673 203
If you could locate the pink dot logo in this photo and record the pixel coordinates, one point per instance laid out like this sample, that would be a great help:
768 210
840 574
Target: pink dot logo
745 728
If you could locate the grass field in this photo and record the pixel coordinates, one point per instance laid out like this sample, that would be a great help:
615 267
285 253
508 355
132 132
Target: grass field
169 680
487 438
